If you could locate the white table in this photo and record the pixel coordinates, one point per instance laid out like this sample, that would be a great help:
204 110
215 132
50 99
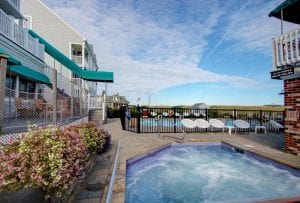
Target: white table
230 129
260 127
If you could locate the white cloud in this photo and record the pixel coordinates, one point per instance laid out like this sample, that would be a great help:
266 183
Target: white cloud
146 48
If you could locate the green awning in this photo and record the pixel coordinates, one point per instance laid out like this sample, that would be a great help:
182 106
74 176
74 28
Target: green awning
291 11
13 61
55 53
29 73
98 76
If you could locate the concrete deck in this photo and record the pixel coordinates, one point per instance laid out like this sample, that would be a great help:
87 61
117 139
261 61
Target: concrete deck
134 145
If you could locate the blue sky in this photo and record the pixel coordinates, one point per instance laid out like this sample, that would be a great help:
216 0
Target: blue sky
182 51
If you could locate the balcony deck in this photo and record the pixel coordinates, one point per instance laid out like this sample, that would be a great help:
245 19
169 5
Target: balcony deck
20 36
286 50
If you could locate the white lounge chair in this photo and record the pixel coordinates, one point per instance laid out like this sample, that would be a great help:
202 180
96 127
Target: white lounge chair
201 123
215 123
241 124
153 113
276 125
187 124
186 114
165 114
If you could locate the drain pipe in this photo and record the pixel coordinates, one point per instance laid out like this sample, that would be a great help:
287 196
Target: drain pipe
113 173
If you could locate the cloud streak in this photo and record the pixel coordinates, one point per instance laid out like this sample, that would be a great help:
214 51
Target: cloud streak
158 44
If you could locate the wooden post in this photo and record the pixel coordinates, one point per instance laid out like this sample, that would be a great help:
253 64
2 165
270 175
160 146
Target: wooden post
54 91
80 97
72 98
3 65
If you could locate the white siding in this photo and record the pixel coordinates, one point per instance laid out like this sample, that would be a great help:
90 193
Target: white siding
49 26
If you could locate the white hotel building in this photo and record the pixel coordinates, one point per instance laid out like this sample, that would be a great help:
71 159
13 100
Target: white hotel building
46 67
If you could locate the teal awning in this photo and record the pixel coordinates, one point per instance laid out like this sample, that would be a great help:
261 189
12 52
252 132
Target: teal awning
97 76
55 53
291 11
13 61
29 73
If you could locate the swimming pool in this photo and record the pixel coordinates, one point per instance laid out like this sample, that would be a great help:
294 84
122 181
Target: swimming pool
211 172
162 122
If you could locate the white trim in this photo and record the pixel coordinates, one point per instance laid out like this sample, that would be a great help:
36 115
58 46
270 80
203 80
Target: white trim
61 19
28 19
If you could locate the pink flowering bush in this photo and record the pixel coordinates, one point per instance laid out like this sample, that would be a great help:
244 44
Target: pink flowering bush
95 139
50 159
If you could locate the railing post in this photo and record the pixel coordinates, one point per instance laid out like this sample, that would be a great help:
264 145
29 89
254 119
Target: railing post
206 114
11 21
174 114
3 64
234 114
260 116
54 104
138 119
25 40
72 98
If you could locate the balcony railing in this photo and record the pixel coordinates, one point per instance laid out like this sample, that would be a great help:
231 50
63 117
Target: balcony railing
286 49
77 59
95 102
20 36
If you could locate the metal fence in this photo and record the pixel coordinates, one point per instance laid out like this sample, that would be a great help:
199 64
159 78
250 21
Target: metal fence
48 105
168 120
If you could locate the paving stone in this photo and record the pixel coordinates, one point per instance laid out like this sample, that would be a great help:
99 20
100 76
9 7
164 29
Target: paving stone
82 195
102 165
95 186
94 194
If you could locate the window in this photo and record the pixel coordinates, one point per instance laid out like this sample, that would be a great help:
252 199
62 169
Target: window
31 87
10 81
23 85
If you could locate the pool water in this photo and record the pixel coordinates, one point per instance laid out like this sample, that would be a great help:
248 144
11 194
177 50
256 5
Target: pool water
164 122
208 173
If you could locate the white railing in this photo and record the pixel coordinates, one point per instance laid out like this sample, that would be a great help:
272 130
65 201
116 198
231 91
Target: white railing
286 49
20 35
77 59
15 3
95 102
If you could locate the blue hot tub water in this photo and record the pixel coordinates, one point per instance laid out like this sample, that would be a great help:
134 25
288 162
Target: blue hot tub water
208 173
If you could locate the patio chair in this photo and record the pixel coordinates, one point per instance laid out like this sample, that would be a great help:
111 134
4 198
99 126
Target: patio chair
186 114
165 114
276 125
215 123
201 123
241 124
187 124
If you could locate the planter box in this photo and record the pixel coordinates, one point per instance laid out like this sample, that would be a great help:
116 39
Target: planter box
32 195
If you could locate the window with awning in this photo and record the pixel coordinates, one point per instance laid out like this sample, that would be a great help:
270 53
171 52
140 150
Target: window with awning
29 73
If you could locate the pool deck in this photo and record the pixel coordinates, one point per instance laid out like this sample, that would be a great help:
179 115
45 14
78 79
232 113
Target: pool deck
135 145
